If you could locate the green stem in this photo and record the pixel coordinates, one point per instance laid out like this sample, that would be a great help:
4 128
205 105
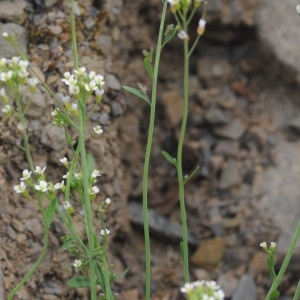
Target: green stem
73 33
285 263
179 161
148 153
86 201
297 294
37 263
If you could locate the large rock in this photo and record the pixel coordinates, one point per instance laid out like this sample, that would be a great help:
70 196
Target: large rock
278 27
13 11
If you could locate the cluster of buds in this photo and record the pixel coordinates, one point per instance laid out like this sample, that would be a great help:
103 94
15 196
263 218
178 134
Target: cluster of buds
203 290
271 249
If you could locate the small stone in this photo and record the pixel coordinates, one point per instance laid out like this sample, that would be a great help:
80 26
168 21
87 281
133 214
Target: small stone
227 148
215 116
53 137
55 29
209 253
13 11
52 287
258 263
89 23
230 176
207 97
11 233
172 101
34 226
246 289
228 284
16 224
233 130
112 82
227 99
49 3
117 109
103 44
37 104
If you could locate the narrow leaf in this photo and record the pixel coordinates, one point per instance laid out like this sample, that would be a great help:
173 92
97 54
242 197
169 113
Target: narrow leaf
148 67
137 93
66 244
188 177
169 36
169 158
79 282
50 213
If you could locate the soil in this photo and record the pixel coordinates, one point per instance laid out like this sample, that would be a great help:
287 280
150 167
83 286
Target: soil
231 136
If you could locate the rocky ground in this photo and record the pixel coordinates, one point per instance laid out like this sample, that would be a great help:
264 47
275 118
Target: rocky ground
243 132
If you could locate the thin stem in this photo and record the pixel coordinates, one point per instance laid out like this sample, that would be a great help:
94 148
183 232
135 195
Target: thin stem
285 263
297 294
73 32
179 161
86 201
148 153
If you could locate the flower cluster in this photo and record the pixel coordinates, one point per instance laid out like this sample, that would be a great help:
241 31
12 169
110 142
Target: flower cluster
271 249
203 290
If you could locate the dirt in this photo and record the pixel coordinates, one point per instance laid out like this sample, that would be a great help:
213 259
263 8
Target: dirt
231 136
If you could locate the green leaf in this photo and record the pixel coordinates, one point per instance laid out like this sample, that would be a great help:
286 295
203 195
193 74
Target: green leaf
137 93
66 244
148 67
169 36
114 277
188 177
79 282
50 213
169 158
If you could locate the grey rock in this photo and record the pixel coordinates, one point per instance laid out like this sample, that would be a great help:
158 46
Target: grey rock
112 82
11 233
6 50
103 44
270 32
233 130
280 188
53 137
52 287
160 226
230 176
49 3
228 284
246 289
227 148
215 116
102 118
37 104
89 23
117 109
13 11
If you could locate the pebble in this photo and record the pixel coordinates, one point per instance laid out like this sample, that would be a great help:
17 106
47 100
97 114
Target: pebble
246 289
37 104
53 137
52 287
172 101
230 176
233 130
13 11
117 109
112 82
34 226
209 253
228 283
227 148
226 99
103 44
16 224
11 233
216 116
55 29
258 263
89 23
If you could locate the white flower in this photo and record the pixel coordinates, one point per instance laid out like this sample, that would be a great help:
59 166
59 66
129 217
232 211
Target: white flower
32 81
20 127
77 263
95 173
91 86
55 112
15 60
92 75
187 287
105 231
39 170
26 175
173 2
81 71
201 26
66 176
20 188
24 64
77 176
3 61
5 76
182 35
273 245
94 190
3 93
74 89
263 245
98 129
99 92
7 109
64 160
59 185
42 186
67 205
298 8
5 34
99 80
23 73
107 201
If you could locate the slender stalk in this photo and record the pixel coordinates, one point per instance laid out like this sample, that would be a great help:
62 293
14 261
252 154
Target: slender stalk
179 160
86 201
148 153
73 32
297 294
285 263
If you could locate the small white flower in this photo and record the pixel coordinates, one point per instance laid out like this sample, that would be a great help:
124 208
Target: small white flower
15 60
55 112
173 2
59 185
23 73
74 106
32 81
92 75
81 71
64 160
91 86
188 287
3 61
7 109
66 176
182 35
20 188
20 127
26 175
201 26
77 263
99 92
107 201
3 93
263 245
24 64
77 176
298 9
39 170
273 245
95 173
74 89
94 190
5 34
98 129
5 76
67 205
105 231
99 80
42 186
67 75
